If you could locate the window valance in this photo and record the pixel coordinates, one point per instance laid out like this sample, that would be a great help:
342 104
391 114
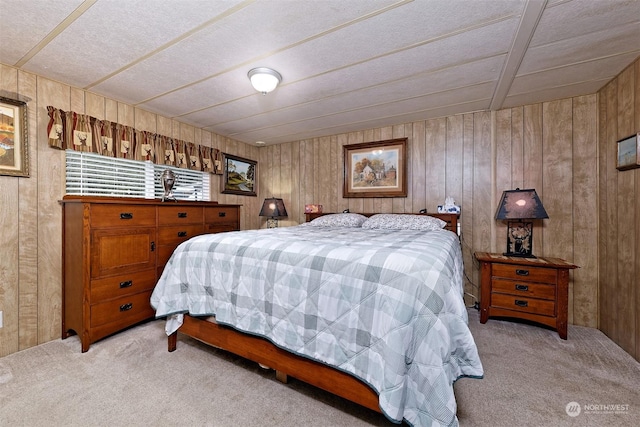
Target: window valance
68 130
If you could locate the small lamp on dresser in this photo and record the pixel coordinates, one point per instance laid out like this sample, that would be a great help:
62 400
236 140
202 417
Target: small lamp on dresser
519 208
273 208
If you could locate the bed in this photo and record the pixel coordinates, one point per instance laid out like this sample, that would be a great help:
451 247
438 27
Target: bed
368 307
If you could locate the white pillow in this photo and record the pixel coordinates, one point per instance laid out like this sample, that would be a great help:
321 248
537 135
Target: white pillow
339 220
404 222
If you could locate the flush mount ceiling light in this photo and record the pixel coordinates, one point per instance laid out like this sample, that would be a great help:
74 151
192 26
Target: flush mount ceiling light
264 80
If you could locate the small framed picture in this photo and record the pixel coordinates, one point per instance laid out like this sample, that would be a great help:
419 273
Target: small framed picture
239 175
376 169
629 152
14 152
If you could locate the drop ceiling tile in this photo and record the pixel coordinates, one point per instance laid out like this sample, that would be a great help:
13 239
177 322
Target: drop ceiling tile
570 19
553 93
112 34
602 69
382 35
24 27
587 47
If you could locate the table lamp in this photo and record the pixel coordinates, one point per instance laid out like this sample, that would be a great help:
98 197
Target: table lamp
273 208
517 206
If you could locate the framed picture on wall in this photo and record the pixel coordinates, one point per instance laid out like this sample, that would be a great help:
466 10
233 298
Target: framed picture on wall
376 169
629 152
14 153
239 175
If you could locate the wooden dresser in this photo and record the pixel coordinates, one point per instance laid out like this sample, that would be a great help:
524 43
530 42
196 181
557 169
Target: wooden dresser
535 289
115 249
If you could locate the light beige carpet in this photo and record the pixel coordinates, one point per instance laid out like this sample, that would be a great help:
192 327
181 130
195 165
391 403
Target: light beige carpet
130 379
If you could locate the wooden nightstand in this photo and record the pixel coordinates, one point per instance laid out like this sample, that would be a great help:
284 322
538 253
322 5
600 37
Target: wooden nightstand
535 289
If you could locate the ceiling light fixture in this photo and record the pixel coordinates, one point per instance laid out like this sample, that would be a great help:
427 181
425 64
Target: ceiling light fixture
264 80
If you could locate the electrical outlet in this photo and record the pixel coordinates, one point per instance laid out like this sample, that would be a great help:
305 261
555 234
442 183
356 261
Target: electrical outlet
0 319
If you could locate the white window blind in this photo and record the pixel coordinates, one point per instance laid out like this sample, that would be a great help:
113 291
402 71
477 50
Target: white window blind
90 174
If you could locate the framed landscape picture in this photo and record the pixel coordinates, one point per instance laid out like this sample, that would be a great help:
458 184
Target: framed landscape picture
629 153
376 169
239 175
14 153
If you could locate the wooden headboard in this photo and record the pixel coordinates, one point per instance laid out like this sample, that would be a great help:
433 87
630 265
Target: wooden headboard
450 218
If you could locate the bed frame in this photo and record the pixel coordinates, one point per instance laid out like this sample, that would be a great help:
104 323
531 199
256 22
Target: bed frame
284 363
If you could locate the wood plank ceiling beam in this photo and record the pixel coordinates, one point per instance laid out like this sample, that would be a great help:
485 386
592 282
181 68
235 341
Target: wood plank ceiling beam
528 23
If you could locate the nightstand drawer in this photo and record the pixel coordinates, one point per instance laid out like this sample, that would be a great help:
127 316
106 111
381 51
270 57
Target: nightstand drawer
525 273
527 305
525 289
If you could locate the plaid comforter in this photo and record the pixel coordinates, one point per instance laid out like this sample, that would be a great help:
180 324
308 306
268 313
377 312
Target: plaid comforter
383 305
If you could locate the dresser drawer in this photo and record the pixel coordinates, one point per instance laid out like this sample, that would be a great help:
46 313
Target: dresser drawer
525 273
122 215
525 289
173 215
218 215
173 236
123 285
122 309
523 304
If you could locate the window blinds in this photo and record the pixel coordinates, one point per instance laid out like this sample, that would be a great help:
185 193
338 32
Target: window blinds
92 174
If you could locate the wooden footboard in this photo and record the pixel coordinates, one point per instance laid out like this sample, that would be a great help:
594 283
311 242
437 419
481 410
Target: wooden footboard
264 352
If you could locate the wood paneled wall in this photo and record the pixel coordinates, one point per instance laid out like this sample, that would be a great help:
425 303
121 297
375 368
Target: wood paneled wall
619 213
31 217
472 157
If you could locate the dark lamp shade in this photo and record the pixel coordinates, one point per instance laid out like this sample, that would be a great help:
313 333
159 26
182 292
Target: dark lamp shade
520 204
273 208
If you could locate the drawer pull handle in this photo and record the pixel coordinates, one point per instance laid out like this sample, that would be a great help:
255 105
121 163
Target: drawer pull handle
126 307
522 288
522 272
153 246
222 214
182 214
521 303
182 234
126 215
126 284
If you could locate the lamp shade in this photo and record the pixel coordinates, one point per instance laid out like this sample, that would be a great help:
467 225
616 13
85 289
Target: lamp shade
273 208
264 79
520 204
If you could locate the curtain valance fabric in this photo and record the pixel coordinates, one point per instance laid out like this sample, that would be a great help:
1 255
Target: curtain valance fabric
68 130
